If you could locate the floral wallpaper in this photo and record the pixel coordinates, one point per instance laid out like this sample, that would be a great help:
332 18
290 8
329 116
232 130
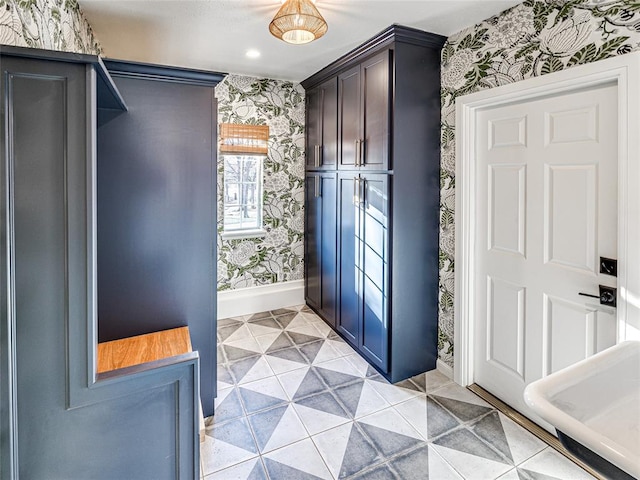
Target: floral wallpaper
531 39
47 24
278 256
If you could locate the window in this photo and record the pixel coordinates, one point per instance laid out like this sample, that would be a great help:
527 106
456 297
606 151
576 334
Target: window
242 193
243 149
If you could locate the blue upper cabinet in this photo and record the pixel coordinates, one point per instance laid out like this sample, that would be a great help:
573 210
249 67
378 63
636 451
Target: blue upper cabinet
322 126
363 112
387 199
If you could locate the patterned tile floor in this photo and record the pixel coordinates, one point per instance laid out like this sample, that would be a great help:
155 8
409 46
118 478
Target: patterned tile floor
295 402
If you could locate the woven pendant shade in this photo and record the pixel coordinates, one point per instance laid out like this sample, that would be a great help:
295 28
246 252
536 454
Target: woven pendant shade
297 22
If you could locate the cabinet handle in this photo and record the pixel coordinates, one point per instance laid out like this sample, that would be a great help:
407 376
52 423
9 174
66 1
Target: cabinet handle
317 156
317 192
356 191
357 154
363 144
363 196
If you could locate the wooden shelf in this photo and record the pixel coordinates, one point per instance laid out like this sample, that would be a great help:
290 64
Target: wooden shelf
131 351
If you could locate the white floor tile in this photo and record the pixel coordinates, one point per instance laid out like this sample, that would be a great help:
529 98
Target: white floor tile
472 467
259 371
217 455
393 394
267 386
316 421
370 401
551 463
289 430
390 419
301 456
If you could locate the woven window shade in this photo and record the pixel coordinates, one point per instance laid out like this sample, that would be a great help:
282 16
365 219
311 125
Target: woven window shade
237 138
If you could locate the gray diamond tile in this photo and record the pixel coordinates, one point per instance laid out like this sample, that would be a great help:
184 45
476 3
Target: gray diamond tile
234 354
267 322
225 322
283 341
489 428
291 354
359 455
465 441
439 419
335 379
388 442
349 395
324 402
280 471
286 319
228 330
463 410
221 357
283 311
301 338
265 423
240 368
413 465
382 472
254 401
409 385
234 432
230 407
310 350
258 316
311 385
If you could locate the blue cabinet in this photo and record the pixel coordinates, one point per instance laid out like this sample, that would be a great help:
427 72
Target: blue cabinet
388 197
320 243
363 272
59 418
322 126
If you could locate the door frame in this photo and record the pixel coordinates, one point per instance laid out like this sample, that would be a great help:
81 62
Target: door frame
622 71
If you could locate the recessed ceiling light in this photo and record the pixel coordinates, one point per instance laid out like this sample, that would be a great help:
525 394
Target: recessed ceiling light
252 53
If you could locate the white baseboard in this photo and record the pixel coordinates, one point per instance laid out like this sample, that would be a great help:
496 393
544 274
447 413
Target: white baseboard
445 369
247 301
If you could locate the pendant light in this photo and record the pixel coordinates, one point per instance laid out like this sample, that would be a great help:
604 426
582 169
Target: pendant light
298 22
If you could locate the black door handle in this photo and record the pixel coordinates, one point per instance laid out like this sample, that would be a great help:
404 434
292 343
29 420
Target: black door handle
607 295
588 295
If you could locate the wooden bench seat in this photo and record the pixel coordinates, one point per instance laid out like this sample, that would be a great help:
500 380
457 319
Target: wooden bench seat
149 347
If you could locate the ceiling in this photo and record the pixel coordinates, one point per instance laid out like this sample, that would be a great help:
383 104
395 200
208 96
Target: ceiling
216 34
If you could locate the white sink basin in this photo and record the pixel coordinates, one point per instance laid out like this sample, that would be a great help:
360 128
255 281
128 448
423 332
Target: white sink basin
596 402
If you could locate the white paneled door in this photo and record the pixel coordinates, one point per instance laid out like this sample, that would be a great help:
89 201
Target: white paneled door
547 211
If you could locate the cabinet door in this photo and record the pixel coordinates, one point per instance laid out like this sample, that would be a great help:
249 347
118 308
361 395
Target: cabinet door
349 117
320 244
327 196
349 263
374 149
374 243
313 242
328 150
313 126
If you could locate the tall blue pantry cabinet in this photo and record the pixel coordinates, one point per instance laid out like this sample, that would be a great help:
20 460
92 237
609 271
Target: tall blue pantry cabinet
372 198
